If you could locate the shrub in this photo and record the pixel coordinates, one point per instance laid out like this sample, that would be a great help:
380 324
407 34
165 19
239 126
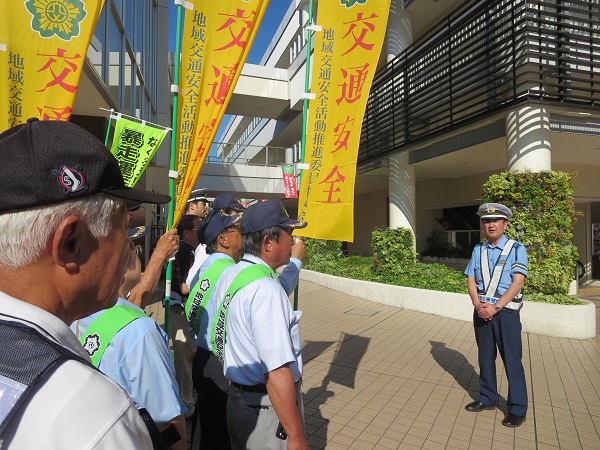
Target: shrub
392 247
543 221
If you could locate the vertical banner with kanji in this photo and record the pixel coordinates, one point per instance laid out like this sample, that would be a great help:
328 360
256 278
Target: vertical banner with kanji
345 59
134 145
289 181
217 37
43 44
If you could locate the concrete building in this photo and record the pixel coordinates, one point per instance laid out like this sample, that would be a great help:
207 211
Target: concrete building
464 90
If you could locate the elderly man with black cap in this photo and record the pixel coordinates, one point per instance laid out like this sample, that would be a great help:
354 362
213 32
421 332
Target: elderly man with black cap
63 252
495 277
257 336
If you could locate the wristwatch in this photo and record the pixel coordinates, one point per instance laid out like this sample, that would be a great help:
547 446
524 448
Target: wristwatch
498 308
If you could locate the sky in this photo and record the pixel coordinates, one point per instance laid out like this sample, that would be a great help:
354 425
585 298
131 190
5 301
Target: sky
271 21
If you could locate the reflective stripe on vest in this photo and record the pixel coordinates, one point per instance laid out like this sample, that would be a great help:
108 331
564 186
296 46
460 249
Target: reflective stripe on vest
490 283
96 338
244 278
198 298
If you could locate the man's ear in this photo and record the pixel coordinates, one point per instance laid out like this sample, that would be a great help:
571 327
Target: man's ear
68 244
267 242
223 242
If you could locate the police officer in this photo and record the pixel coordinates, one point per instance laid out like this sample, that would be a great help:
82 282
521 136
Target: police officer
495 277
257 336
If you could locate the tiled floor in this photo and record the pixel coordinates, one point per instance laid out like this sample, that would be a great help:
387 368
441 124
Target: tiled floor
379 377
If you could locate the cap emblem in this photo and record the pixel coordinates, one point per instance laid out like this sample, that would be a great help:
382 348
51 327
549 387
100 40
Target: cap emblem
71 179
491 210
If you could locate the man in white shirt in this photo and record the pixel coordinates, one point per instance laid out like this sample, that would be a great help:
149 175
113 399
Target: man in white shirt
63 251
257 336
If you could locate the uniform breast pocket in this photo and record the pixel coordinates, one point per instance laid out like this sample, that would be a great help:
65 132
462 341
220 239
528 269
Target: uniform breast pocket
478 275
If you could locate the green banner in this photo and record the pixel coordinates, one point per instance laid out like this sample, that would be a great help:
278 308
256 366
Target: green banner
134 145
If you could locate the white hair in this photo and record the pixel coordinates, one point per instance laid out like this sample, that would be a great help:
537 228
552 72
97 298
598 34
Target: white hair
24 234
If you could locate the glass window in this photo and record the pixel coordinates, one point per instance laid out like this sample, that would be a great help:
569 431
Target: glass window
138 97
129 19
128 72
94 52
119 6
115 44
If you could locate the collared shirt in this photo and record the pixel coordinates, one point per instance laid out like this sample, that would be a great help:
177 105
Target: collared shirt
139 360
76 406
516 263
199 257
263 332
288 280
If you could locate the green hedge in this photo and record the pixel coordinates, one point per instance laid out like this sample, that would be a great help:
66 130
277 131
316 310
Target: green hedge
394 262
543 221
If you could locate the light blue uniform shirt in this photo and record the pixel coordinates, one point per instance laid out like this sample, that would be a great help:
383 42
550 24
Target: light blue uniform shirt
262 328
288 280
516 263
139 360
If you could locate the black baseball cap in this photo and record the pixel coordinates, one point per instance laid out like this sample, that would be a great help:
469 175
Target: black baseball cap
263 215
214 224
228 200
43 162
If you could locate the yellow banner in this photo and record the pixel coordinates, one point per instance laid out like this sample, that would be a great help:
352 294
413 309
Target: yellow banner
217 37
43 44
345 59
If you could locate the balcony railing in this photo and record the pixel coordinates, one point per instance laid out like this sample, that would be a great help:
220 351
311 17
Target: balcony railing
487 56
251 155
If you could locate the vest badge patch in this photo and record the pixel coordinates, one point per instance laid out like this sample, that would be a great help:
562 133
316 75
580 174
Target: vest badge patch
92 344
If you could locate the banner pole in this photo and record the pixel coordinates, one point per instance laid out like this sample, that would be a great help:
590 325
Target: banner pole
173 166
108 127
305 111
150 124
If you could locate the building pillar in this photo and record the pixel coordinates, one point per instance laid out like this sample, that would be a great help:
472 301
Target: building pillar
399 30
528 140
402 208
402 192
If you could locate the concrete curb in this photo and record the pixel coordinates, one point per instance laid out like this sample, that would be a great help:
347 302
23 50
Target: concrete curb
569 321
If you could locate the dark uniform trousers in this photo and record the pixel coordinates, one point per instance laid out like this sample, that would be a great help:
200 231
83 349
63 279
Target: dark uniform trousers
211 386
503 331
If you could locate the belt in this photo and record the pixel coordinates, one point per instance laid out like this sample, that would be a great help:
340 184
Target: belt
260 388
515 304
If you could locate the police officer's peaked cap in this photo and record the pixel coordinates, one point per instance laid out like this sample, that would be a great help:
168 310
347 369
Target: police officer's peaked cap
198 195
494 211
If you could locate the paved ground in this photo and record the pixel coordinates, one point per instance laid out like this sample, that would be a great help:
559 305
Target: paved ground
592 294
379 377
